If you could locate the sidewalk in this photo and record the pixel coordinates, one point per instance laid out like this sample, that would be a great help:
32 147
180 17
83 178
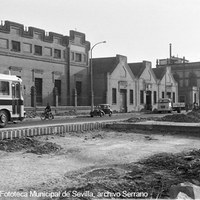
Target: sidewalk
190 129
165 123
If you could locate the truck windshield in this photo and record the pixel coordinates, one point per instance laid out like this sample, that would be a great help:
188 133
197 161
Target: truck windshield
4 88
164 101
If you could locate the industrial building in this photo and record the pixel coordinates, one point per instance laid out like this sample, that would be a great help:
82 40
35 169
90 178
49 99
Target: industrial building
56 69
186 74
50 64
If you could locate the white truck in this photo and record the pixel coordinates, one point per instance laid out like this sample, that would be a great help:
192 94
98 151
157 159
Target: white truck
167 105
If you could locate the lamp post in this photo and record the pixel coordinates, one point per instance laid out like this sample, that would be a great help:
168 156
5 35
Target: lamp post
91 76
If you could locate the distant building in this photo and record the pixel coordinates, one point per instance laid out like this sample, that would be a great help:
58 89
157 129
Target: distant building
46 61
171 61
187 75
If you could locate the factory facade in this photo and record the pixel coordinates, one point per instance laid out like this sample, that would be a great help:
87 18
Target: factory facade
49 64
55 69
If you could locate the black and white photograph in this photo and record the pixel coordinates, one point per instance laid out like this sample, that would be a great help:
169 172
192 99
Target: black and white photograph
99 99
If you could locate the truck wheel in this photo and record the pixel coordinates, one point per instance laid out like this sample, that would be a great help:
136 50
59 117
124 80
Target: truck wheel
3 119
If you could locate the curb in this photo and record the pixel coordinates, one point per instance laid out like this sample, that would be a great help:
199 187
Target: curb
11 133
189 129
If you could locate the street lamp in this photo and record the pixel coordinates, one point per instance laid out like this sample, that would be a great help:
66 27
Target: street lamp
91 76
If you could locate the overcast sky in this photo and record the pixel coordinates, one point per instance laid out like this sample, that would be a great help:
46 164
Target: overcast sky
138 29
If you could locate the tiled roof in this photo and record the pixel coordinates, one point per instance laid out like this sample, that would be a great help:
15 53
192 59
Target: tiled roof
159 72
104 65
137 68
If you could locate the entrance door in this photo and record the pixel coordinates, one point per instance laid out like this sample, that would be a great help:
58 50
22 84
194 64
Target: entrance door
79 92
148 100
123 101
16 98
38 86
58 86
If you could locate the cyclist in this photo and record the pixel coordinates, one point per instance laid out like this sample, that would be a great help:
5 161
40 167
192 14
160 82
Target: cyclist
47 109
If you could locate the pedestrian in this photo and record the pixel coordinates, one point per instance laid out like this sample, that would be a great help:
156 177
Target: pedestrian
194 105
186 107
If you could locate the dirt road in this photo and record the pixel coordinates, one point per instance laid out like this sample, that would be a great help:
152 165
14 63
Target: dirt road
82 153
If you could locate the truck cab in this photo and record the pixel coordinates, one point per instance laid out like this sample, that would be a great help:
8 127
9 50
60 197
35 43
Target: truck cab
165 105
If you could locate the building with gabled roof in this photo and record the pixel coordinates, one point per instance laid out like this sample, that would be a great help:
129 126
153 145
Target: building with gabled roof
167 85
137 68
114 83
146 85
159 73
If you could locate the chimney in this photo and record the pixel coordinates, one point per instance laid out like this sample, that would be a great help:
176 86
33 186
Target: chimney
170 50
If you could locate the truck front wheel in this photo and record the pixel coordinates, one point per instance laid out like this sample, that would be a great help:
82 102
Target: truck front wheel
3 119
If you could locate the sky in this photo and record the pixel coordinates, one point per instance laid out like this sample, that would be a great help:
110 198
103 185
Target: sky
139 29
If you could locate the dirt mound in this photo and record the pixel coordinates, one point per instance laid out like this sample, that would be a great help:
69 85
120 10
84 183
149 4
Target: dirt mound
45 148
179 118
190 117
31 145
140 119
149 178
195 114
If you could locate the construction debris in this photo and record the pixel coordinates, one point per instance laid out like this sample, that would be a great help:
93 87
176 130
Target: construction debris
190 117
151 177
30 144
180 118
140 119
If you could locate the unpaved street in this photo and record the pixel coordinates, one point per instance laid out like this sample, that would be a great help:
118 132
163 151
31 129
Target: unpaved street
82 153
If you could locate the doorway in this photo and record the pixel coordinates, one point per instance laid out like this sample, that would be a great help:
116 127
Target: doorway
123 100
38 86
148 100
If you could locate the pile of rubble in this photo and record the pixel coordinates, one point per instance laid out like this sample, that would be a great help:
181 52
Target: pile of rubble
30 144
45 148
190 117
153 177
140 119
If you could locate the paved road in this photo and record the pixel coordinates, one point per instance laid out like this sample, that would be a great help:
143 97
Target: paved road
70 119
66 119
